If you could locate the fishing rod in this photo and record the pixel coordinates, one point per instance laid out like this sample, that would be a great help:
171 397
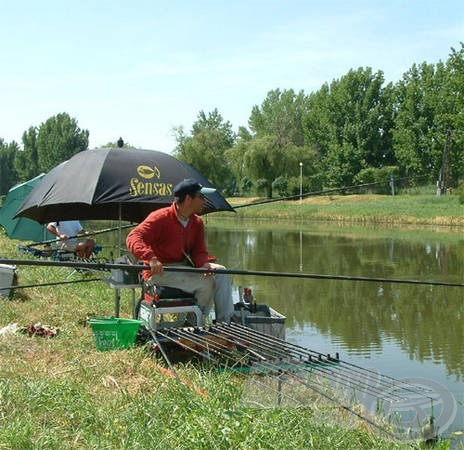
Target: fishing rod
261 354
306 275
139 267
77 236
321 192
24 286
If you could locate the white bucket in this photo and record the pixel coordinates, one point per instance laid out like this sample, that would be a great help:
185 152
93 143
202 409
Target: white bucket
7 279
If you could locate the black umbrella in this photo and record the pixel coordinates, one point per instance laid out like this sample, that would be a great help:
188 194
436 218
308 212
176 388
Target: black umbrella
112 183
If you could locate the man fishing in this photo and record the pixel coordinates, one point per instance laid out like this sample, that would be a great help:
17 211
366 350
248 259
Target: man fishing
175 235
66 231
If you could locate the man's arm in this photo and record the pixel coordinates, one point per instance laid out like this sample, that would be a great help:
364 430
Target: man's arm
138 242
54 231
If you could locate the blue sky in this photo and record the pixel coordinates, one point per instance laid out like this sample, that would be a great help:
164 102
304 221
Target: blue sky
139 68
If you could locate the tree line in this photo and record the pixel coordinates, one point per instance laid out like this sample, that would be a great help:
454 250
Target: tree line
354 130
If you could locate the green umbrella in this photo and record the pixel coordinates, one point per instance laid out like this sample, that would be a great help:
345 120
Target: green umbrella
21 228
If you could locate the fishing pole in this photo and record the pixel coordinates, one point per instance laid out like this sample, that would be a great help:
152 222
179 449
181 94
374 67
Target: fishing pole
24 286
139 267
321 192
269 358
77 236
320 276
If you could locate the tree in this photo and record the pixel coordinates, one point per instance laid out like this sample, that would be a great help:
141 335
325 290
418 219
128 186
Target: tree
339 133
280 116
450 117
235 160
417 142
214 121
8 176
349 124
268 152
58 139
261 162
205 148
26 162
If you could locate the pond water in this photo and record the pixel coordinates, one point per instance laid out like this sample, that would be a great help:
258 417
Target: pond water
407 331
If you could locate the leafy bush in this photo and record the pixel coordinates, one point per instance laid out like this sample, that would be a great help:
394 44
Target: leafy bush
246 185
280 186
261 186
460 193
382 176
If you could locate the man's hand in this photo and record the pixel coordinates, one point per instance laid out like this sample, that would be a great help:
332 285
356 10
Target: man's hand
207 266
63 237
156 267
86 233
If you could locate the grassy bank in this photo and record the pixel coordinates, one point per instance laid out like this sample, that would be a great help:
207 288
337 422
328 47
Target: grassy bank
421 209
62 393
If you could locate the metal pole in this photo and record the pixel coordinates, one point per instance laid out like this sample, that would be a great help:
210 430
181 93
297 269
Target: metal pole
392 184
444 172
301 181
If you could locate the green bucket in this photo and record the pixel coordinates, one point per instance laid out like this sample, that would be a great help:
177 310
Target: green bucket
111 333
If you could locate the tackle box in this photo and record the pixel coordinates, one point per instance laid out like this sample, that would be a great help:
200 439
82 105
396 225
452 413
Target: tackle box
261 318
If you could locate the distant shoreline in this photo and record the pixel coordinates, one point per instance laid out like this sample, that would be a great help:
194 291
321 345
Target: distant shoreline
421 209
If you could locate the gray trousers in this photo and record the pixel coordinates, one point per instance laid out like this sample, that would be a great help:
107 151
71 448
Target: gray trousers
215 289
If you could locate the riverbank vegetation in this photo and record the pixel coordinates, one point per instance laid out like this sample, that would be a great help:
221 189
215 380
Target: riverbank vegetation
424 209
61 392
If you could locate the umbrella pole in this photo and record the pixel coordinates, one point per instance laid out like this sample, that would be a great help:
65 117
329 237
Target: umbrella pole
117 291
119 229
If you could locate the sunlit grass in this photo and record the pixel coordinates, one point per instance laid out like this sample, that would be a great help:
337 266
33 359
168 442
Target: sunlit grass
426 209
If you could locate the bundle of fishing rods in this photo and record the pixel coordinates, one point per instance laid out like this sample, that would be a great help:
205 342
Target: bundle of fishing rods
280 373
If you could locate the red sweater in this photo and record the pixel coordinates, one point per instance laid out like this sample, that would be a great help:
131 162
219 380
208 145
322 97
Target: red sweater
162 236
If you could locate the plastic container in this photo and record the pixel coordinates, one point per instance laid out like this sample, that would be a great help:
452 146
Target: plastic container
111 333
7 279
261 318
124 276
